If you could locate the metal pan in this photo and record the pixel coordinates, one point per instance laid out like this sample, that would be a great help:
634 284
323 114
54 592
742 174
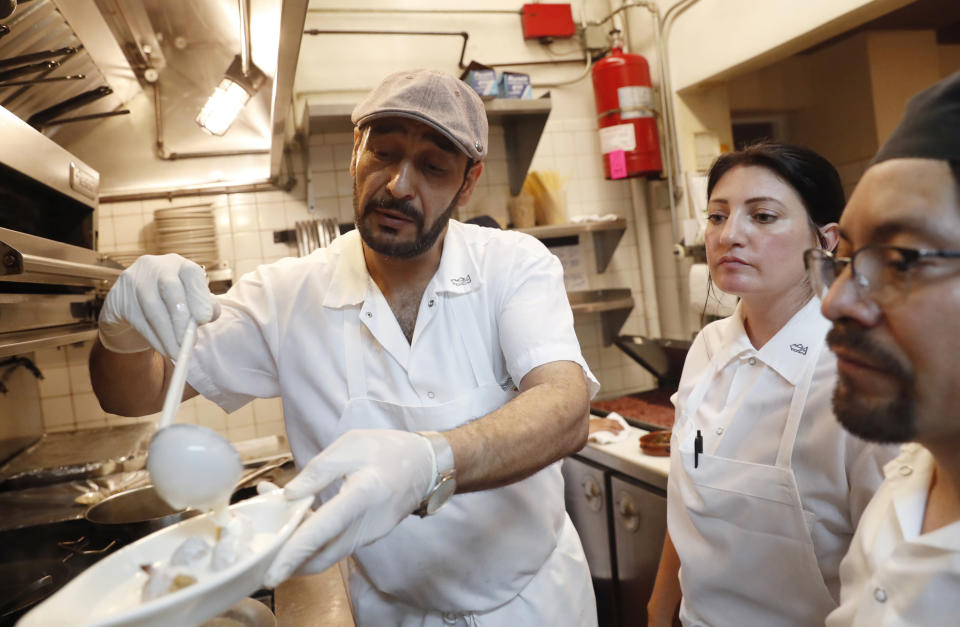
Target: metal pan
141 511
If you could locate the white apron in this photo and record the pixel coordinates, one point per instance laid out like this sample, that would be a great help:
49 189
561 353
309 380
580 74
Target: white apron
744 544
482 548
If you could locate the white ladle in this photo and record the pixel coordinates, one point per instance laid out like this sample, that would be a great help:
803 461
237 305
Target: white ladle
190 466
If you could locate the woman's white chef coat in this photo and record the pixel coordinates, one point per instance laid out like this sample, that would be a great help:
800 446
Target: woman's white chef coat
893 575
285 329
835 473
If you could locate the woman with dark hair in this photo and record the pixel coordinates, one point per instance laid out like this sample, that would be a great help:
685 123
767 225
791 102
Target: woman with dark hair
765 488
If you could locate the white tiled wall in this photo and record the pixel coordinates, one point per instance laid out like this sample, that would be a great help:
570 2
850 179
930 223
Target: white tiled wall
68 403
245 227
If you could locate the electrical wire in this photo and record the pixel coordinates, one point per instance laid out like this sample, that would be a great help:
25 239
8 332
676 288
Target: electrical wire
650 6
583 75
453 11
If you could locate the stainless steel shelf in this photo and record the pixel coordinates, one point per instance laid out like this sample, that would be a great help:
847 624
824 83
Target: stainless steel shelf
613 305
522 120
606 236
20 342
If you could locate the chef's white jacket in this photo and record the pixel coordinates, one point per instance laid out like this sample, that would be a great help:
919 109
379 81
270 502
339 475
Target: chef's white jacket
836 473
280 332
893 574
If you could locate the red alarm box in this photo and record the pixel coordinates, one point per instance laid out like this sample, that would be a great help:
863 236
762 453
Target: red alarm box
547 20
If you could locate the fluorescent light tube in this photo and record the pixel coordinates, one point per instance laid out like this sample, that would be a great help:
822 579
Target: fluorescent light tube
229 98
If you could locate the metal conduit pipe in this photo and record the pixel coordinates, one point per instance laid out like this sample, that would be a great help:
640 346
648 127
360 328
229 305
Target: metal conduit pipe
463 49
639 192
245 44
439 33
263 185
402 11
547 62
668 19
642 199
174 156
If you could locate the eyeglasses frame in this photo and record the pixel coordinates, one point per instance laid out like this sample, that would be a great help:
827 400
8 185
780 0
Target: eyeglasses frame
910 257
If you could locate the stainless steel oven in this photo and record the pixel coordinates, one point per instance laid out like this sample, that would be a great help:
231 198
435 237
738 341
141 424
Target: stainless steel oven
52 280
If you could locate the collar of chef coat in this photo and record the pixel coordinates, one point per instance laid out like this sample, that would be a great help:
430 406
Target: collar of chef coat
786 352
458 272
909 476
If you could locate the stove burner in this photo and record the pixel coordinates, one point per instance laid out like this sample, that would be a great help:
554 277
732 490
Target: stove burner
38 561
78 547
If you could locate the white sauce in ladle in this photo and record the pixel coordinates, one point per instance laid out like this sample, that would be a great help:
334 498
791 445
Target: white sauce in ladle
192 466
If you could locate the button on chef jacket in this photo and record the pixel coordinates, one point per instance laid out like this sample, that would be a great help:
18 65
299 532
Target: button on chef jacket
836 473
893 574
281 333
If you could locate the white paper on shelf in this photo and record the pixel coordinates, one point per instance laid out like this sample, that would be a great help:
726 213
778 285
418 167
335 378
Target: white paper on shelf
574 269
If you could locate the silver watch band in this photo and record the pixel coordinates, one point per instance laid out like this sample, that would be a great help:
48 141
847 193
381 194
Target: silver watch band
444 482
442 453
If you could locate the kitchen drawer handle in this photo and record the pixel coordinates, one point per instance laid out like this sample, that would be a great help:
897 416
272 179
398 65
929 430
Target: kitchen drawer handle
629 513
593 494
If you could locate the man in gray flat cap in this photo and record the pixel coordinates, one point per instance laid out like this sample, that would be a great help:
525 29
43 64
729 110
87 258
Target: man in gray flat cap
893 294
430 376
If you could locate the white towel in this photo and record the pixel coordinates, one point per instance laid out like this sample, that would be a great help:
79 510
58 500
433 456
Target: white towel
593 217
609 437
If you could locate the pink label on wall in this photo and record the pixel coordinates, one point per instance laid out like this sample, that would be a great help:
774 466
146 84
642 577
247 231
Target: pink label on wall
618 164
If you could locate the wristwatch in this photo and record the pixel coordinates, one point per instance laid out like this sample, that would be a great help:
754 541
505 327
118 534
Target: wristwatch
445 481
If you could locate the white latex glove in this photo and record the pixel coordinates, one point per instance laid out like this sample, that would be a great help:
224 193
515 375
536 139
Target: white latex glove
152 301
386 473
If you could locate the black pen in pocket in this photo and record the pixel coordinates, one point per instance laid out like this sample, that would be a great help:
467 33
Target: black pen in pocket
697 448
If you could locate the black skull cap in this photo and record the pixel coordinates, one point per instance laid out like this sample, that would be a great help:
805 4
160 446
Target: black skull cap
930 126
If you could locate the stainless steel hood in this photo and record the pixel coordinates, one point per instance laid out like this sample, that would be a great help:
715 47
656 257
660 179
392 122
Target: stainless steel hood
141 55
59 62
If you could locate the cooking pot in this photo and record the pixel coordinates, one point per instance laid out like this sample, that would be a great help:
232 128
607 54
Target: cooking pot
141 511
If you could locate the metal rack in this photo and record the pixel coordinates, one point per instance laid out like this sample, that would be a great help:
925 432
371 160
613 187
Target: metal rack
606 235
613 305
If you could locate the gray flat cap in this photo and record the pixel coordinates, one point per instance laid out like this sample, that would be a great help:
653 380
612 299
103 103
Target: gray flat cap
433 97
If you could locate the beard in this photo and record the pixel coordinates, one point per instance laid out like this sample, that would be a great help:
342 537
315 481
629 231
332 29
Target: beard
889 420
384 240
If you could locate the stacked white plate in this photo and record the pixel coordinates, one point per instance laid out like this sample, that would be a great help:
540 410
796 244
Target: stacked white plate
188 231
124 257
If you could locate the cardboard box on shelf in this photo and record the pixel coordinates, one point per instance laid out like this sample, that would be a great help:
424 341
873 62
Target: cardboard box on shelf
482 79
515 85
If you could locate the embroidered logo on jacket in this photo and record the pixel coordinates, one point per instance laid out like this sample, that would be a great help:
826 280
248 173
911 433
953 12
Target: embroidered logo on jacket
799 348
463 280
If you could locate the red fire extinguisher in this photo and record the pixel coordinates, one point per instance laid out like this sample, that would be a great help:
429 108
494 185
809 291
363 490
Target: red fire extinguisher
628 126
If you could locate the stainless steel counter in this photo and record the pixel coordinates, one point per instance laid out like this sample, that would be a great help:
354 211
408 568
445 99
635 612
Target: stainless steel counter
311 600
626 457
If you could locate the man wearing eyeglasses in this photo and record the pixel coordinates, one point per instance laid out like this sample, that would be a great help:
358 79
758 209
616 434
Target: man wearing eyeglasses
893 293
